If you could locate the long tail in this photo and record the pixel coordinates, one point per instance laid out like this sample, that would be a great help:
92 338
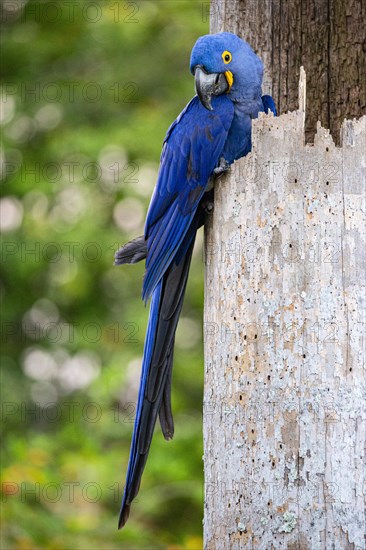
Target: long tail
155 383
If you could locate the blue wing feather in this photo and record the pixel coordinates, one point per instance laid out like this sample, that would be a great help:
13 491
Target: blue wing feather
269 104
191 150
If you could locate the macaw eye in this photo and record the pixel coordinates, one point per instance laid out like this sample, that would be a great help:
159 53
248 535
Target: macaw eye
226 56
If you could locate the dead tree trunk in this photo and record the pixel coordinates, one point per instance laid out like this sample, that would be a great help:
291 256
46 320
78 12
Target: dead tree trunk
284 416
327 37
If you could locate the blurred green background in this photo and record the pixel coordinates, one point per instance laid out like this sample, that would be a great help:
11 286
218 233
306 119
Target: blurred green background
88 91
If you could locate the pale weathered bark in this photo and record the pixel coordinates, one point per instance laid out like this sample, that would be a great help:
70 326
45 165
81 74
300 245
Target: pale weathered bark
284 415
327 37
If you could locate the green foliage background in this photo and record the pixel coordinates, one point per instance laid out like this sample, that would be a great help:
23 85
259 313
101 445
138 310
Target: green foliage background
73 324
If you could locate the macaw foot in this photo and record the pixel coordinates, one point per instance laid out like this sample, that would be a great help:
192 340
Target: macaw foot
222 167
208 207
208 202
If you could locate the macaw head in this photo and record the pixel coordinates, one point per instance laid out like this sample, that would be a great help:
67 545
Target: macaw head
224 63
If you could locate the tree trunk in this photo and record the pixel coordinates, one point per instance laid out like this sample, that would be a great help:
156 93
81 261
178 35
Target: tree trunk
327 37
284 415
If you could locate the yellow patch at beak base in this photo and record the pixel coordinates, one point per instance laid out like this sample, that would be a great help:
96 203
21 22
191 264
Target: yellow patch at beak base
230 79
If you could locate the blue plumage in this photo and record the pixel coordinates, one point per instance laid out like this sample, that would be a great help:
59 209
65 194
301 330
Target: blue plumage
149 344
190 153
210 133
269 104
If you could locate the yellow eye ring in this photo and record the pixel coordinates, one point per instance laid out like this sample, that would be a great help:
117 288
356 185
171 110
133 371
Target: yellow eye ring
226 56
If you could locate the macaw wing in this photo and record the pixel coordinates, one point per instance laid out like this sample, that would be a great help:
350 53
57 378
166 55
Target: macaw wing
269 104
191 150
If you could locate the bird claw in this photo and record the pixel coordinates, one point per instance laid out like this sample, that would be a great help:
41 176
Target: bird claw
208 202
222 167
208 207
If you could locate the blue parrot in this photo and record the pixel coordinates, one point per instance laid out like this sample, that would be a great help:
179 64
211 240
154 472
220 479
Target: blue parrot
212 131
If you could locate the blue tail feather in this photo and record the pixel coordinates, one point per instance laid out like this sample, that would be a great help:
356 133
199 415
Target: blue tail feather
154 391
148 351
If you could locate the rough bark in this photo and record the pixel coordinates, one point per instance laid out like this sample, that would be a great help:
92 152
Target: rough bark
284 416
327 37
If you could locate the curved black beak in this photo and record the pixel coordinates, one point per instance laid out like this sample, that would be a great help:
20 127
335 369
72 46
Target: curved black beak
209 84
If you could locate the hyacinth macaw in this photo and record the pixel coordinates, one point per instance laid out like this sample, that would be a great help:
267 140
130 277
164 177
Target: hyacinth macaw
212 131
